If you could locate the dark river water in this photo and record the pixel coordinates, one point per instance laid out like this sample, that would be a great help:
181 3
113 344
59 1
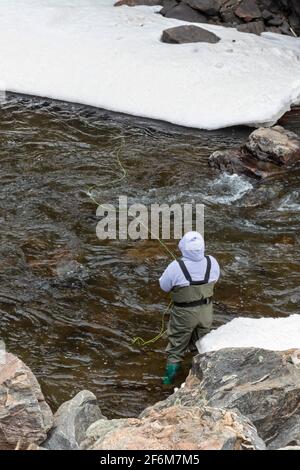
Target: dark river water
70 304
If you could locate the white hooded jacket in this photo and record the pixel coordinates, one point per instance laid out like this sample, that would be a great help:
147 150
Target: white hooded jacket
192 248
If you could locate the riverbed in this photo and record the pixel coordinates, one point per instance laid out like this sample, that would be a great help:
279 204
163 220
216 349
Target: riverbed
71 304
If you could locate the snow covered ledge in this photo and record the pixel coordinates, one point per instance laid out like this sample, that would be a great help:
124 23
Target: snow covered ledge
274 334
89 52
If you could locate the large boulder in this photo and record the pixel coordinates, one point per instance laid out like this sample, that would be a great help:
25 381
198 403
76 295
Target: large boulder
188 33
267 152
175 428
72 420
25 417
263 385
276 145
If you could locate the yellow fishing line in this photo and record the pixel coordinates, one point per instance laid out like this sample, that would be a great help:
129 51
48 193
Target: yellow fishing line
138 341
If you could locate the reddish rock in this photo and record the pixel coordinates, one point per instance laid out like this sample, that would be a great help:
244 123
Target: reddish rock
175 428
187 34
248 10
25 417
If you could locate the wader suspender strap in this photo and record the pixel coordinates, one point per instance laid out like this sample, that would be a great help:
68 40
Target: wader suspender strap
188 276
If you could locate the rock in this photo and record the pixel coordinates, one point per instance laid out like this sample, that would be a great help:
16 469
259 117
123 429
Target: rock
234 161
285 29
276 20
267 15
275 144
167 5
240 162
25 417
294 22
72 420
227 11
295 5
263 385
175 428
207 7
255 27
248 10
269 151
184 12
188 33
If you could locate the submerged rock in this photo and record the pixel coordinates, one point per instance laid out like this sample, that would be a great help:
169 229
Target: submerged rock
263 385
176 428
25 417
267 152
187 34
72 420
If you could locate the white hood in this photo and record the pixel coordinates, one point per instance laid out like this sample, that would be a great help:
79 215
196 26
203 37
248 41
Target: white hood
192 246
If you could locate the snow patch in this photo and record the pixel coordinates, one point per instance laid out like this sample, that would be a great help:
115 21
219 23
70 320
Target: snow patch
275 334
89 52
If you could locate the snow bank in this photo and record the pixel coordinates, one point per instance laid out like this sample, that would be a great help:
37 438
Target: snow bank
276 334
89 52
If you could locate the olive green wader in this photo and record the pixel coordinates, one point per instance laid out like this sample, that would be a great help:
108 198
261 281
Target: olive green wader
191 318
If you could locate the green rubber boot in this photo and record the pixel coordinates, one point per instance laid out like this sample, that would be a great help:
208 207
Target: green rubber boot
172 369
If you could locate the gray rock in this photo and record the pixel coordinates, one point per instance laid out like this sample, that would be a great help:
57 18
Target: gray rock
255 27
208 7
263 385
267 15
185 13
25 417
248 10
72 420
167 5
188 33
276 20
295 5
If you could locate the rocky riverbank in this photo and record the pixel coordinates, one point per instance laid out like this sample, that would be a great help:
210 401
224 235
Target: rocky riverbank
249 16
233 399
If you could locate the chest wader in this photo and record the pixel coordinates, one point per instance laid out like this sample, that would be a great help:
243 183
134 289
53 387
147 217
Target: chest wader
191 318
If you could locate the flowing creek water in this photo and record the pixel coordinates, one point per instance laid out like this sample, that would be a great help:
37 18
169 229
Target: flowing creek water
71 304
